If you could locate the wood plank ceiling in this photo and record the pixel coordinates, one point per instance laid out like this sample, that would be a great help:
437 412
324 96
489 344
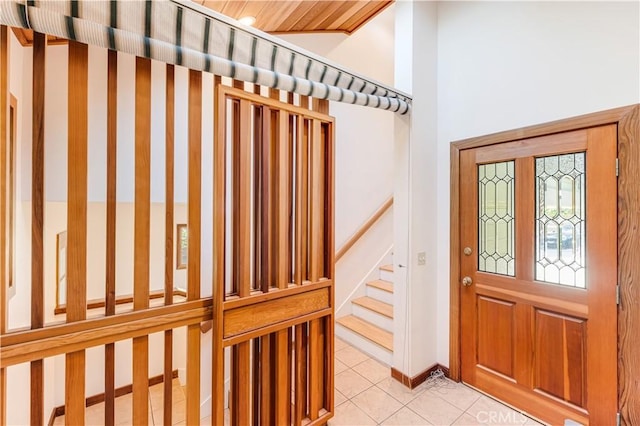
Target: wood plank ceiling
299 16
282 16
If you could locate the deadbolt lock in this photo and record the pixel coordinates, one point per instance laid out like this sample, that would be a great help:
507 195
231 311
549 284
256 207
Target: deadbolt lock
467 251
467 281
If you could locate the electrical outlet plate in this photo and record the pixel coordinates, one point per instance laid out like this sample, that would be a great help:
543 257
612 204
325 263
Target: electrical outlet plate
422 258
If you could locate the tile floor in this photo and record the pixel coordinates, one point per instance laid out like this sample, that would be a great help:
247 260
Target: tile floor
365 394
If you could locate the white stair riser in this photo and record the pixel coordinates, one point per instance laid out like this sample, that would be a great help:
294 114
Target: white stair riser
386 275
365 345
381 295
373 317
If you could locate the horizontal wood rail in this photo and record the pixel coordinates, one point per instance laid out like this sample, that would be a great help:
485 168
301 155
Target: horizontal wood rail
364 228
120 300
25 346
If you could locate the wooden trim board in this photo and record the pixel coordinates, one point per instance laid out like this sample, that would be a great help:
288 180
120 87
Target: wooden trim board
417 380
100 397
121 300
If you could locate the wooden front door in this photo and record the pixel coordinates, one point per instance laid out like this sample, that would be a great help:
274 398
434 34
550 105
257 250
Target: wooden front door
538 289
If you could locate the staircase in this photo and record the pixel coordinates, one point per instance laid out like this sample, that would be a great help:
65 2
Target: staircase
370 325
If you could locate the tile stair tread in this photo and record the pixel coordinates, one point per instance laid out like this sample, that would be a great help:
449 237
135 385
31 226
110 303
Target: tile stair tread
382 285
388 268
374 305
368 331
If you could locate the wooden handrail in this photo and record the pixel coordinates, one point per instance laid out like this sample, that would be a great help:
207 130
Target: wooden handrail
364 228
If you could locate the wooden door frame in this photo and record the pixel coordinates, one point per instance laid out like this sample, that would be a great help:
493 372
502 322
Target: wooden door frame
627 120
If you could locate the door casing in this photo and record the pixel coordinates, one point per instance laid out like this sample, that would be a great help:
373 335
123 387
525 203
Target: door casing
627 120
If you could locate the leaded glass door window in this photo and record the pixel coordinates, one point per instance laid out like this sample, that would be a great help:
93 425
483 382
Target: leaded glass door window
496 218
560 219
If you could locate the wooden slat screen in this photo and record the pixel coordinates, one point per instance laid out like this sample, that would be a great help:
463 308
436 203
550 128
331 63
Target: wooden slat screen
278 317
272 170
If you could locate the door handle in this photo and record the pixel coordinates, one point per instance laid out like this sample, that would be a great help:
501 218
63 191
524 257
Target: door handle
467 281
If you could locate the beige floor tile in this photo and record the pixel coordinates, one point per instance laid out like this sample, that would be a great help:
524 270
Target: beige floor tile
350 356
339 398
434 409
339 366
373 370
405 417
489 411
340 344
456 394
376 403
350 383
156 394
94 415
348 414
398 390
178 413
466 420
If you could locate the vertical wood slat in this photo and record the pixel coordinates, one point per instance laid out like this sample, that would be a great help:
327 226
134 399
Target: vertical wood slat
242 193
110 287
219 210
240 414
142 234
282 377
330 251
37 220
316 225
282 203
240 402
315 368
4 95
193 256
300 374
76 225
169 223
266 217
302 410
302 200
266 413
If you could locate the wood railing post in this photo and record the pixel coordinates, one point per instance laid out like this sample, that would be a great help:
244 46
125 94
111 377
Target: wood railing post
4 95
194 250
142 206
110 281
76 224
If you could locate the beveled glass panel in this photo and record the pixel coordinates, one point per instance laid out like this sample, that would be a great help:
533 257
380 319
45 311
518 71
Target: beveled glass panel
560 219
496 218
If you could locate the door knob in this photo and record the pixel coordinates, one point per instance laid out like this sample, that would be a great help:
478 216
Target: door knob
467 281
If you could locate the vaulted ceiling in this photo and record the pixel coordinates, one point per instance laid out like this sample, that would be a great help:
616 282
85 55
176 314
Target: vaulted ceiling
281 16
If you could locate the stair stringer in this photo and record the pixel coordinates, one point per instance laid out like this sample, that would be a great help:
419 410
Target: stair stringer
344 306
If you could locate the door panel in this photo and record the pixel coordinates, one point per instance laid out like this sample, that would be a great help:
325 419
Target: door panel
538 233
496 329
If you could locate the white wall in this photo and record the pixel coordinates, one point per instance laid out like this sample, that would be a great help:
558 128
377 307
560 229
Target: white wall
364 142
505 65
364 146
